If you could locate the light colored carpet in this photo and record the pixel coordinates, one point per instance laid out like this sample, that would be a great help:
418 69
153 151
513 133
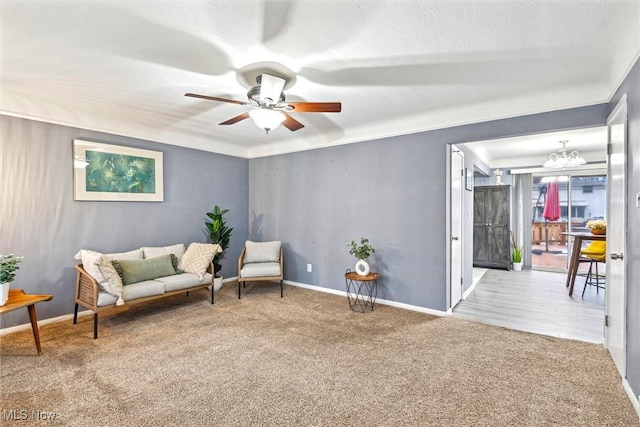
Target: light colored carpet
305 359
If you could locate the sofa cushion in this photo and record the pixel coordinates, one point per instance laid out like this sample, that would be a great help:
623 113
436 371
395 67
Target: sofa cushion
90 260
182 281
147 288
139 270
262 251
156 251
260 269
198 257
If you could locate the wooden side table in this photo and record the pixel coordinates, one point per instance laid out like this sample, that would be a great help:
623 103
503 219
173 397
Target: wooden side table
361 290
18 299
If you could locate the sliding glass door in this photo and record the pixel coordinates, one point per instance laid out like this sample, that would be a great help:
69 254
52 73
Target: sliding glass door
563 203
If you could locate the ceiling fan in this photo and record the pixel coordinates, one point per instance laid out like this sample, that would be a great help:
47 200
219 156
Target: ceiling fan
269 106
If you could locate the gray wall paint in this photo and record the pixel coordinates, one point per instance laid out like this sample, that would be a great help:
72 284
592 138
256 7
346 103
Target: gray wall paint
41 221
631 86
390 190
318 201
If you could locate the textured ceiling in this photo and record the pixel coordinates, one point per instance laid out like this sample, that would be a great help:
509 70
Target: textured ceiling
397 67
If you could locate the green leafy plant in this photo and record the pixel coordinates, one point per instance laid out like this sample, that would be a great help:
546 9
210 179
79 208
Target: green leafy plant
219 234
516 251
8 267
362 250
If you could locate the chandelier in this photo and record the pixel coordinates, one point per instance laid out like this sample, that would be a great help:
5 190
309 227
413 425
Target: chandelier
562 160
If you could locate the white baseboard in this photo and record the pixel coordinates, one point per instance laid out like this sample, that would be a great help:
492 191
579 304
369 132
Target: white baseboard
468 291
378 300
25 326
632 397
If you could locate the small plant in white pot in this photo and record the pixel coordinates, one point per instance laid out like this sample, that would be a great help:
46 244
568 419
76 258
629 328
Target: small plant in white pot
8 267
516 254
361 251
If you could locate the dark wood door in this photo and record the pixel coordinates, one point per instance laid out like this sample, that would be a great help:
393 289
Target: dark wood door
491 244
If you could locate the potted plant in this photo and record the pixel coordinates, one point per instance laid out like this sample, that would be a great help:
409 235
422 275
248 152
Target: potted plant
516 253
361 251
219 234
8 267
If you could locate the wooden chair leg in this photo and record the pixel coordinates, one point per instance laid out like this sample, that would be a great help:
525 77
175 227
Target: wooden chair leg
239 289
211 294
281 289
95 326
586 280
75 315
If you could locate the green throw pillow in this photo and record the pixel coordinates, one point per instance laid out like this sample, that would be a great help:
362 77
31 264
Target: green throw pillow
175 261
116 265
139 270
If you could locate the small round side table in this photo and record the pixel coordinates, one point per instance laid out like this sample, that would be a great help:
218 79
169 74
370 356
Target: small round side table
361 290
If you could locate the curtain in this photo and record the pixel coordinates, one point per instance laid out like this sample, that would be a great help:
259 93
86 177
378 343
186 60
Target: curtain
522 214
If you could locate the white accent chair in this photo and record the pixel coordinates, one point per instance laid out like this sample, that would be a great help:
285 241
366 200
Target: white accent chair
261 261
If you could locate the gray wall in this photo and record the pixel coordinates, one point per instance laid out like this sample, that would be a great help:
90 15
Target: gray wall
631 86
390 190
41 221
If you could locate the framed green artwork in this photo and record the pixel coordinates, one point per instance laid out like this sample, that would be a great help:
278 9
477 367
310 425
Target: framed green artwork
108 172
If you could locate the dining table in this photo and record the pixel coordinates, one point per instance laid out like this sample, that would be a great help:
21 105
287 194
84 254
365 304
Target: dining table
578 238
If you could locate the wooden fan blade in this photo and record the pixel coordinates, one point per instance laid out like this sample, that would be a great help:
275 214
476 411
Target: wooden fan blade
316 107
213 98
291 123
236 119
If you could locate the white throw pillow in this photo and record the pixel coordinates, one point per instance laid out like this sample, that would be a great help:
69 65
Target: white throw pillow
197 258
113 283
90 260
152 252
262 251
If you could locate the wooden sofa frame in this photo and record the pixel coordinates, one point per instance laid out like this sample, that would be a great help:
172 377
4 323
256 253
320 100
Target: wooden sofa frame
87 290
262 278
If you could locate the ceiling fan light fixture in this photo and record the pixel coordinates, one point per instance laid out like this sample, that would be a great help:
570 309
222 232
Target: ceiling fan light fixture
267 119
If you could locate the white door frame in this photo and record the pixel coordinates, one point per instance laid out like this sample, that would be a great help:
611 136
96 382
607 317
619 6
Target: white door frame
616 287
455 218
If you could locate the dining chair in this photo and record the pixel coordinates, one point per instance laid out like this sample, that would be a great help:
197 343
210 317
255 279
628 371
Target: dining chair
594 254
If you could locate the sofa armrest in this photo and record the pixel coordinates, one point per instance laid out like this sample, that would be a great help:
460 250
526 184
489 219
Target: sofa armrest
87 288
241 260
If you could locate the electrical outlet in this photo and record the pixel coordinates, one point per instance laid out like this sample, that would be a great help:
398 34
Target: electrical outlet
309 268
638 200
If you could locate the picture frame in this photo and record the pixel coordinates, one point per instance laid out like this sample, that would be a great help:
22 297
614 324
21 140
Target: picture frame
106 172
468 182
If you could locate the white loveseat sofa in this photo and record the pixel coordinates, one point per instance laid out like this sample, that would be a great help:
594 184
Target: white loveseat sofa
143 274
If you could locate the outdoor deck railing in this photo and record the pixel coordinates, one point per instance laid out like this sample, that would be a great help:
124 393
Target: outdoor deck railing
553 232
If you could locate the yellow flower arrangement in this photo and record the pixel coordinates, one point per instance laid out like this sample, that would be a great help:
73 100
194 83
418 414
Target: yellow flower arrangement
597 224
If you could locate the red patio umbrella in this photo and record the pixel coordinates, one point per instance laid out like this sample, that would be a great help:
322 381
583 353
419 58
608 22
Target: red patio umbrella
551 210
552 202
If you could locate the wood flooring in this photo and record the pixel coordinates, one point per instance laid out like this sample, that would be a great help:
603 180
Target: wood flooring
535 301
